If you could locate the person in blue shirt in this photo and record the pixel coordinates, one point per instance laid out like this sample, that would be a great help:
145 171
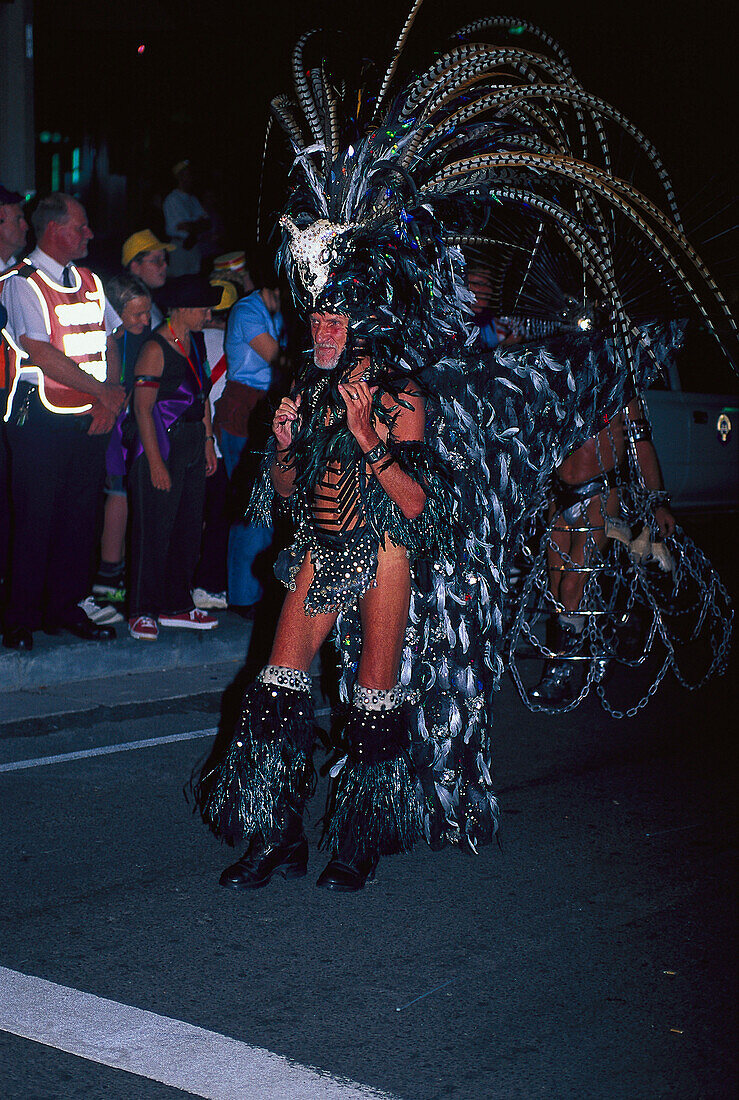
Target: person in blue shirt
252 347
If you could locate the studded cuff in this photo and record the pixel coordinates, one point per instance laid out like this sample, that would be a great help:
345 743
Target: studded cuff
377 699
283 677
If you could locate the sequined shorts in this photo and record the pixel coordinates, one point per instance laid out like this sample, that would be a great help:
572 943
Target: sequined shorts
344 567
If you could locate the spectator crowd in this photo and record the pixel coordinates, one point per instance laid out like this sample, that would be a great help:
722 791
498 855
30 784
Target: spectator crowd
130 409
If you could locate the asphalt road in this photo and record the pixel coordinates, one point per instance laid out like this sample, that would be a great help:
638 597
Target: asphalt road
590 956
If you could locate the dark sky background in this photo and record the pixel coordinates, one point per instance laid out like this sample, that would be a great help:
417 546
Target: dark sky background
202 86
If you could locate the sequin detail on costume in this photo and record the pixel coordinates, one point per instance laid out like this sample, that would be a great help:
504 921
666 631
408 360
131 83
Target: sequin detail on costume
377 699
345 567
281 676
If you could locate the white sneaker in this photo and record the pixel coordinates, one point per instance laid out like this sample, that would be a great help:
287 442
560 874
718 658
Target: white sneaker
210 601
103 616
197 619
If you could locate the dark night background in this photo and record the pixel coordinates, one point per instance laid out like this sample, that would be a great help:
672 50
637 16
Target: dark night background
202 86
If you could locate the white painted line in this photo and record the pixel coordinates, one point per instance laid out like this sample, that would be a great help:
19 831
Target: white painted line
105 750
200 1062
125 746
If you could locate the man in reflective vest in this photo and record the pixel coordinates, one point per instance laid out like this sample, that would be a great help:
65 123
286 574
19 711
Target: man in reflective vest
62 404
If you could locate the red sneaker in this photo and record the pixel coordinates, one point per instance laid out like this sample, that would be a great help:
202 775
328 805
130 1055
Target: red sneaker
144 628
197 619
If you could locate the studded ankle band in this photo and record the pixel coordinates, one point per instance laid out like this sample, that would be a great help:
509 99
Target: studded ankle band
376 699
290 678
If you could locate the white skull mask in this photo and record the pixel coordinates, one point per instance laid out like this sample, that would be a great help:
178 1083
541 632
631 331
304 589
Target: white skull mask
314 251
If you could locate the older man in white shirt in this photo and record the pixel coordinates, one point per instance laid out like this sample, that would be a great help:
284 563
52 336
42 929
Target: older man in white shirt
64 402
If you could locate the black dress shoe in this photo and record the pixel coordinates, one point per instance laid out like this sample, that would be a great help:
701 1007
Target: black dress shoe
346 875
18 638
261 861
83 627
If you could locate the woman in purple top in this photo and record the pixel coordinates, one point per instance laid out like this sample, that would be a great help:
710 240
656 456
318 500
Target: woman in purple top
171 459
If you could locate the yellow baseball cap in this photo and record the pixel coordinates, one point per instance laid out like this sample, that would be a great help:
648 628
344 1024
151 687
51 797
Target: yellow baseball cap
143 241
229 294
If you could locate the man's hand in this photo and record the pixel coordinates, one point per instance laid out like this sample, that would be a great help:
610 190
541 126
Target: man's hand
160 478
282 424
357 396
111 396
665 521
102 420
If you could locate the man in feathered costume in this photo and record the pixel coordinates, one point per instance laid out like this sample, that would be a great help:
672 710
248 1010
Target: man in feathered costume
410 462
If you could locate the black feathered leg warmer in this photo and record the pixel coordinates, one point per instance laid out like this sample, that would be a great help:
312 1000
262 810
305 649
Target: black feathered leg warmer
268 763
375 810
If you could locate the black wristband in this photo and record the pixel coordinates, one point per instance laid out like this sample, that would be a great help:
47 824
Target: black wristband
378 451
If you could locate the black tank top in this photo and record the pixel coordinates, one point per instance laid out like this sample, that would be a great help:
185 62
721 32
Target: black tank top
178 375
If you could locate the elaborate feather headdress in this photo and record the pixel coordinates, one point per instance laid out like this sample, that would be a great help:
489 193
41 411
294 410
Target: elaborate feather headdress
495 149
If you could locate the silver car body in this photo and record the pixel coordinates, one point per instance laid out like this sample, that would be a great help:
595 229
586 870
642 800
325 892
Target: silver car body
696 436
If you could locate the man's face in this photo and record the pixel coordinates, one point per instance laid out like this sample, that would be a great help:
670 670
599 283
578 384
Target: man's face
328 331
151 269
13 229
71 237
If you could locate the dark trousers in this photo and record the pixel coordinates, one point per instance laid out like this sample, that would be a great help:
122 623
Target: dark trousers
166 526
56 480
211 571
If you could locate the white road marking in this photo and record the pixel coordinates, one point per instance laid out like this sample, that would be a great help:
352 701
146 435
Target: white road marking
104 750
125 746
186 1057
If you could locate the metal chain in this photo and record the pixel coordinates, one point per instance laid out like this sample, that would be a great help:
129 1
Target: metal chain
618 585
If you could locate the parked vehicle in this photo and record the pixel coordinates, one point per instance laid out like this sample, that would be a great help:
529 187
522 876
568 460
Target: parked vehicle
695 419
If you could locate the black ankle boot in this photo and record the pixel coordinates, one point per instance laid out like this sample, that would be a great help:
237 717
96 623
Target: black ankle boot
347 870
284 853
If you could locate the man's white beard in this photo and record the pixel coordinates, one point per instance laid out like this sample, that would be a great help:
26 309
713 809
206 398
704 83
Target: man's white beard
327 366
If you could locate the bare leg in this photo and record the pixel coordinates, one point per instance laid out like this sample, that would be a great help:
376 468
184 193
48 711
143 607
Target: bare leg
582 547
375 809
560 544
299 636
384 612
569 558
113 541
273 781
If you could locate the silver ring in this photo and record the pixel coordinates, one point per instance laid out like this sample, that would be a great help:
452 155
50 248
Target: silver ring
354 396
